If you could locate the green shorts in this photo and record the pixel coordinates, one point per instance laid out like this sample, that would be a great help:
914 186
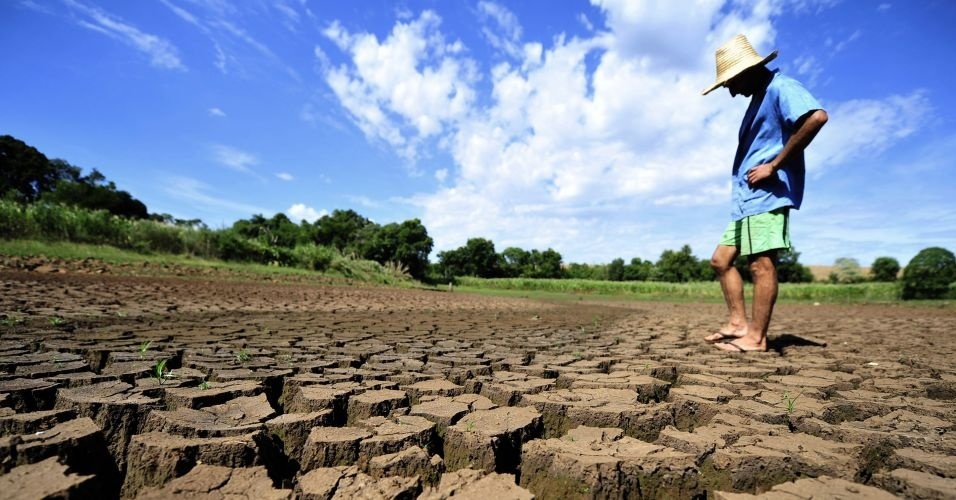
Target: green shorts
759 233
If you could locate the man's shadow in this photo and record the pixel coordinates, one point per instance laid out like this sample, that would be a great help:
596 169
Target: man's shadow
780 342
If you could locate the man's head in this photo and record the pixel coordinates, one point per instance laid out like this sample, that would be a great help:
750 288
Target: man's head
738 64
748 83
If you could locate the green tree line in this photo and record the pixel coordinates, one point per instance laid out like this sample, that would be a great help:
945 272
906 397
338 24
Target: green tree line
52 199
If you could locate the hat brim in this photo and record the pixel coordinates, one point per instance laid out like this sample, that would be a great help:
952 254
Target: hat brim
765 60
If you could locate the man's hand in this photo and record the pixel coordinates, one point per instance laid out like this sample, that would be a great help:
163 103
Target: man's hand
759 173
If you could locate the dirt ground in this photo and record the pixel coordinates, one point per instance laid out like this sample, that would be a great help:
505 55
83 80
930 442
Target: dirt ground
304 390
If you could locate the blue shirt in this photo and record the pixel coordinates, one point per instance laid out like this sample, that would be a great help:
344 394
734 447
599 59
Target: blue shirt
767 126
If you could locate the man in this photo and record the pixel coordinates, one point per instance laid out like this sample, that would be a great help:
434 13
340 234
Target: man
768 178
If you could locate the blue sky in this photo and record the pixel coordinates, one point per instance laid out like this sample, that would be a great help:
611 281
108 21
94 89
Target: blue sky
571 125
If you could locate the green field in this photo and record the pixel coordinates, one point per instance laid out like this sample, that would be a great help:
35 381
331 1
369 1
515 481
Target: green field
701 291
360 271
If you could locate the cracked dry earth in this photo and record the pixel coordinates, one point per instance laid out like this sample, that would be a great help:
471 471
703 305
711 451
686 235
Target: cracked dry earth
316 391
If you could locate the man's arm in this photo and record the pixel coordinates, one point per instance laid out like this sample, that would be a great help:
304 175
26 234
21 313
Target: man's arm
807 129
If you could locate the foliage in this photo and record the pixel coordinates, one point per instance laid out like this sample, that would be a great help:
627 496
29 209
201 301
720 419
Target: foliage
790 270
705 290
638 270
678 266
846 270
341 230
407 244
885 269
519 263
476 258
314 257
160 373
929 274
94 192
27 175
615 270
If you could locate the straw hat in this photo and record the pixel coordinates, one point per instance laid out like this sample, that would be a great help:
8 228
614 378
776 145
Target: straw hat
734 57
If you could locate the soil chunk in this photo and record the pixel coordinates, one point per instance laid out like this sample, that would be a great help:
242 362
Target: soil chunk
213 482
471 484
491 440
48 479
811 488
116 409
378 403
604 463
232 418
567 408
347 483
155 458
26 395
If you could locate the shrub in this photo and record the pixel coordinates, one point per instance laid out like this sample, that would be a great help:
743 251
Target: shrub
929 274
885 269
314 257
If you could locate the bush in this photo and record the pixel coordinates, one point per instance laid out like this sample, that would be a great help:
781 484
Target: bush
929 274
885 269
314 257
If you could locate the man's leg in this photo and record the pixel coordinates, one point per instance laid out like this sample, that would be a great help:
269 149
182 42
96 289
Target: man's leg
763 268
733 287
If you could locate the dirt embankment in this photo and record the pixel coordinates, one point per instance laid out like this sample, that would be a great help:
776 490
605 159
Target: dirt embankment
311 391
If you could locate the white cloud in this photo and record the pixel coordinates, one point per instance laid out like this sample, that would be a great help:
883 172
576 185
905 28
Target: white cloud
235 159
217 112
588 145
406 88
161 52
199 195
506 34
285 176
364 201
864 128
301 211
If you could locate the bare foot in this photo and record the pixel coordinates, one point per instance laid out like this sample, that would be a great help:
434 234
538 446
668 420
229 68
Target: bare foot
744 344
728 332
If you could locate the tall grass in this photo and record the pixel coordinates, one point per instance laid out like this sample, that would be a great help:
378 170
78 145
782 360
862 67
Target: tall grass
709 291
52 222
64 231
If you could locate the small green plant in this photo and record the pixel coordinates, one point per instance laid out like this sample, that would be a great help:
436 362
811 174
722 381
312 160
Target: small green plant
242 356
57 321
647 366
204 384
790 401
57 361
12 321
143 348
578 355
160 373
471 426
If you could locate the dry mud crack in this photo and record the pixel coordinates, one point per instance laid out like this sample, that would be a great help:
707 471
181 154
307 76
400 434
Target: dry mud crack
299 390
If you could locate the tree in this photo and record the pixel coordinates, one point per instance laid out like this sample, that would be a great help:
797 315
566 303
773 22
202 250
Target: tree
514 262
92 191
885 269
476 258
677 267
847 270
615 270
790 270
340 229
407 243
25 173
638 270
930 274
546 264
